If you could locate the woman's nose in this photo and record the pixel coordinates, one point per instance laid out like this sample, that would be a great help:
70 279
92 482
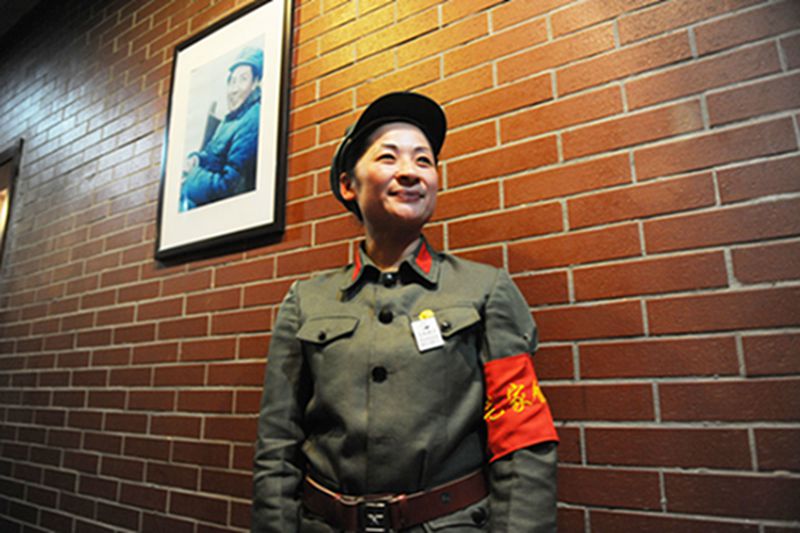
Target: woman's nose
406 171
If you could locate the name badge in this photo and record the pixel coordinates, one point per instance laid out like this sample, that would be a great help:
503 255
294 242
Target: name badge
426 331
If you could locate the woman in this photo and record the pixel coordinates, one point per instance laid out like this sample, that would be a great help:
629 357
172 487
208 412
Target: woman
400 393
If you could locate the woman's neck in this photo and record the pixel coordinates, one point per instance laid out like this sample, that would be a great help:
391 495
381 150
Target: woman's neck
388 252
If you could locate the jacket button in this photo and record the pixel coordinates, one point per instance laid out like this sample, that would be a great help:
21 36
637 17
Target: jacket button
446 326
388 279
322 336
385 316
379 374
479 516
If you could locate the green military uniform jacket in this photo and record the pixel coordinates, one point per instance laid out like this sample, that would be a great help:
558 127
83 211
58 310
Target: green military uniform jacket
350 399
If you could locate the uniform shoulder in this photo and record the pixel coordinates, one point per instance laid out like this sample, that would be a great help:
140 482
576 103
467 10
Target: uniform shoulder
320 282
467 265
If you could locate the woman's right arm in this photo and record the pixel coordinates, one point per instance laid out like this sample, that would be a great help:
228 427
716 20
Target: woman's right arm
279 465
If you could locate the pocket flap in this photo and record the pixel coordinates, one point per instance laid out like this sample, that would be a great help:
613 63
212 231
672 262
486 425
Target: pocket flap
454 319
324 329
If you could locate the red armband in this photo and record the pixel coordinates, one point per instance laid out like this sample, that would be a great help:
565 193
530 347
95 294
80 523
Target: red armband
516 411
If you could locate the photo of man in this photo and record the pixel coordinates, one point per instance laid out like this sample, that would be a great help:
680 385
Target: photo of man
225 165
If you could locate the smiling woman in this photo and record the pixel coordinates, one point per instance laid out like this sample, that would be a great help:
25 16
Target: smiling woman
400 393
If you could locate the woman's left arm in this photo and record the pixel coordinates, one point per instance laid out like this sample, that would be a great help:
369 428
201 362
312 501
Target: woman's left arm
521 436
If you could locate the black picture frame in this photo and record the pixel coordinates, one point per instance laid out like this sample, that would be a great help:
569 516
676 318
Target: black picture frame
223 175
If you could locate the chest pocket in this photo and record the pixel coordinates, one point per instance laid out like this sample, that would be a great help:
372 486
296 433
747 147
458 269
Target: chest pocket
455 319
325 329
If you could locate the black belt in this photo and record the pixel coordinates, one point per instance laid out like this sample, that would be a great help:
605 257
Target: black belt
392 512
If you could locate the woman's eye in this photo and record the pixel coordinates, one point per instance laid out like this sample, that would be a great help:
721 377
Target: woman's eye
424 161
386 157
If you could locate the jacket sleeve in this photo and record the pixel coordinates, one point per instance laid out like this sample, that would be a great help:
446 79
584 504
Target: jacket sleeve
279 464
217 177
520 432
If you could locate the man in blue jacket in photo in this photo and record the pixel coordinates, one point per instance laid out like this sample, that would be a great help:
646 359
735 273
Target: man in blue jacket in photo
226 166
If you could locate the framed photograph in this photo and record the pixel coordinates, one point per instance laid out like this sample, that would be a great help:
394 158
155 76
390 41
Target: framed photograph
224 168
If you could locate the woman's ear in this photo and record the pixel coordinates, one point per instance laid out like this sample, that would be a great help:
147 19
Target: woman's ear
346 187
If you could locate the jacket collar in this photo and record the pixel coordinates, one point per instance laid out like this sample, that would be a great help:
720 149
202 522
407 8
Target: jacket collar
421 265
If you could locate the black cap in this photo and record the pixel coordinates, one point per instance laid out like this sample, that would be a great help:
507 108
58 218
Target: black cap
408 107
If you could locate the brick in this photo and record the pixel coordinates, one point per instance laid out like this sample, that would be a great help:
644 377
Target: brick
459 85
600 402
791 50
468 140
205 401
146 448
507 160
236 374
723 226
130 377
555 362
607 487
725 311
508 225
200 453
143 333
397 33
356 74
497 45
621 319
659 522
499 101
312 26
150 400
122 468
171 475
319 258
549 288
758 98
681 447
183 327
179 375
574 248
126 422
346 227
509 13
490 255
666 16
633 59
231 428
704 356
357 29
406 78
465 201
268 293
152 522
772 354
208 349
561 113
762 178
777 449
313 208
442 40
179 426
202 507
241 321
661 197
233 484
762 400
651 276
591 12
732 495
169 307
155 353
633 129
556 53
247 402
771 262
186 282
141 291
140 496
697 76
97 486
748 26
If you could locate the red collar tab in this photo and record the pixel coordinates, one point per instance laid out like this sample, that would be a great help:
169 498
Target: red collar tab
424 260
358 266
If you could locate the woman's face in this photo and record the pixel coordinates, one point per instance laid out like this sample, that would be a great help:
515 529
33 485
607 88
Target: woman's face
395 179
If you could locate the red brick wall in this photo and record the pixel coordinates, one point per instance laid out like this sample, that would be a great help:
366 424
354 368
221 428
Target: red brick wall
634 164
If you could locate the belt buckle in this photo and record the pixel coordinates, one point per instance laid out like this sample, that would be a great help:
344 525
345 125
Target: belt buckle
373 516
